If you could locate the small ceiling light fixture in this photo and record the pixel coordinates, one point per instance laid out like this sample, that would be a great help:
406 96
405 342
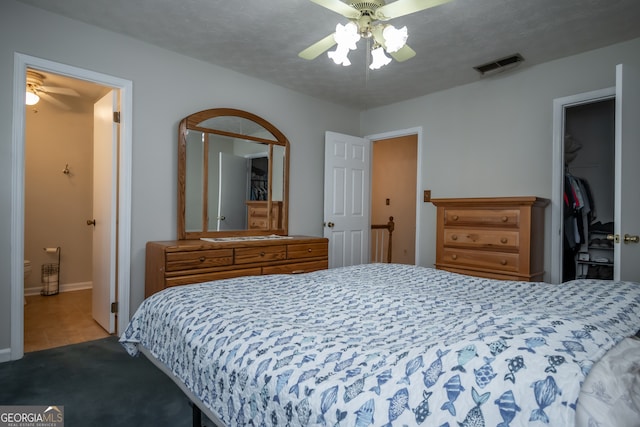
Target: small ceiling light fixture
378 58
394 38
366 19
31 98
34 83
346 36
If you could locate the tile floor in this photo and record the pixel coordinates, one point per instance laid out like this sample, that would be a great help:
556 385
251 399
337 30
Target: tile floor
57 320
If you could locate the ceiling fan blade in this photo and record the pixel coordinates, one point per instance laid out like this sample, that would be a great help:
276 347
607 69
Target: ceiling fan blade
339 7
54 101
60 90
403 54
405 7
319 47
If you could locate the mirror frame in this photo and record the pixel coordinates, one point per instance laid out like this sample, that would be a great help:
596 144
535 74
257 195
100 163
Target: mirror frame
191 122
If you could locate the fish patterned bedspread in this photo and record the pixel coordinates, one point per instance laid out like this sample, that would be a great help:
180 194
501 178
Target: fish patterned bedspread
385 345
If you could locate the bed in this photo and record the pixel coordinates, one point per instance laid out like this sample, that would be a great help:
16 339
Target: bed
392 345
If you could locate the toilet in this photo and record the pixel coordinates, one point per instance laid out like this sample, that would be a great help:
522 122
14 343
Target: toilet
27 270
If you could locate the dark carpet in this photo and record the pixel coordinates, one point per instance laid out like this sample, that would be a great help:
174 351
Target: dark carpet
98 384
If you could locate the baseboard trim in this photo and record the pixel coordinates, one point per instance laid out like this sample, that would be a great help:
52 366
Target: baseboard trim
5 355
68 287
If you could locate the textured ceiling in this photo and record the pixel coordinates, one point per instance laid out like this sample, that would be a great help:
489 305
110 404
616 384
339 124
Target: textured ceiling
262 38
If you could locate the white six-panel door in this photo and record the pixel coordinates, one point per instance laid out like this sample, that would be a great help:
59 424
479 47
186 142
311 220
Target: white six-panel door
105 149
347 199
232 210
627 194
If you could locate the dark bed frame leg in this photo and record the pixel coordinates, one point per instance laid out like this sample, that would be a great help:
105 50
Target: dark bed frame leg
196 415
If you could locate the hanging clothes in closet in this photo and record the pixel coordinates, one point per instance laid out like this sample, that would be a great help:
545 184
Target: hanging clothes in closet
579 212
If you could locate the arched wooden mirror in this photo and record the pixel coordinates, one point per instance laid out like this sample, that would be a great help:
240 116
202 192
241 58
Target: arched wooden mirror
233 175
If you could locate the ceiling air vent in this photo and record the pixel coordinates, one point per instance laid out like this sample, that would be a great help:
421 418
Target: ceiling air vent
499 65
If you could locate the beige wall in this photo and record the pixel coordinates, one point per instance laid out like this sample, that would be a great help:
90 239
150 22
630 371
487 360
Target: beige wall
394 177
57 205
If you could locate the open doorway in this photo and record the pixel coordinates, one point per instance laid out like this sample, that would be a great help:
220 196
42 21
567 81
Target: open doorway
625 234
58 201
588 211
121 239
584 185
393 192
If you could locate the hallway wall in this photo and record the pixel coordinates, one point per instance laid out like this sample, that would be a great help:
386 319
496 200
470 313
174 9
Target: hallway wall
57 205
394 177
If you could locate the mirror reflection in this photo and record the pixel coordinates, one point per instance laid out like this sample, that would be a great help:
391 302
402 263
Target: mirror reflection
232 175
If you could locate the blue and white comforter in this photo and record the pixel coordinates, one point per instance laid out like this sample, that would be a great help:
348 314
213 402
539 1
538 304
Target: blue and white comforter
385 345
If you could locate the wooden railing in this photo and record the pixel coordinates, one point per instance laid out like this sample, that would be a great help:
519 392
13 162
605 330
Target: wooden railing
382 241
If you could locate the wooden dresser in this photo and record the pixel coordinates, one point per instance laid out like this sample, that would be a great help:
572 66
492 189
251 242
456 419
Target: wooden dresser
182 262
498 238
257 218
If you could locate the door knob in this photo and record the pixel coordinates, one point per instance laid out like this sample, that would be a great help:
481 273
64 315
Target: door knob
330 224
91 222
614 237
631 239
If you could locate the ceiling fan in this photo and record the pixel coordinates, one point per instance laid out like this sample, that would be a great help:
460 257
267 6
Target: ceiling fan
36 90
366 20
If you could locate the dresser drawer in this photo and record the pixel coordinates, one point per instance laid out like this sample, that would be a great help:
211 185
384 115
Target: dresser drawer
307 250
482 217
482 238
207 277
258 223
259 211
257 217
502 261
183 262
296 268
189 260
260 253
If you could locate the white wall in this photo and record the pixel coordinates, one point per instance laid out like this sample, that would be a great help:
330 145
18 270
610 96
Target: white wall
494 137
489 138
166 88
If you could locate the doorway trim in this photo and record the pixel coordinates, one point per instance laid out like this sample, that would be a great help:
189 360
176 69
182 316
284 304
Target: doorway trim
399 133
21 63
557 228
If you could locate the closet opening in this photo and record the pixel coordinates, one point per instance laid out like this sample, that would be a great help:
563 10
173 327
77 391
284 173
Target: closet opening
589 190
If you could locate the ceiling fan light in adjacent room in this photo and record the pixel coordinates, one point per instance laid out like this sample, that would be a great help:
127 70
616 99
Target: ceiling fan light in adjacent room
31 98
378 58
394 38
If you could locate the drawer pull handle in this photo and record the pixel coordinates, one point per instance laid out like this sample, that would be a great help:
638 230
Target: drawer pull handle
505 218
202 259
454 237
503 262
309 250
454 256
504 240
297 272
261 253
455 217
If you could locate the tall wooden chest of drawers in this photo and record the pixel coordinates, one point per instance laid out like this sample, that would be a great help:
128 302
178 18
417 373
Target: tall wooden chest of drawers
497 238
257 215
183 262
